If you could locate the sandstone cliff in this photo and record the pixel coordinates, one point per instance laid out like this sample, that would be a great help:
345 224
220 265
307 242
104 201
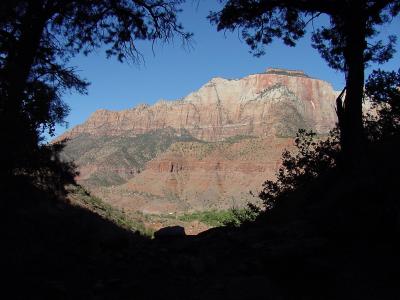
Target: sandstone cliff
193 176
205 151
276 102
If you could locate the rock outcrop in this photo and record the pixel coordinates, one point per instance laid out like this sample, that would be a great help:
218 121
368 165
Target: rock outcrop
194 176
205 151
276 102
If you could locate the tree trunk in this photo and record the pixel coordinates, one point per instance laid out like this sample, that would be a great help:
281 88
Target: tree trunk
16 132
351 126
19 63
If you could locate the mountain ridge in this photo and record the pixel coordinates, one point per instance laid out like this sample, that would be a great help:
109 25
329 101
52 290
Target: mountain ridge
204 151
226 107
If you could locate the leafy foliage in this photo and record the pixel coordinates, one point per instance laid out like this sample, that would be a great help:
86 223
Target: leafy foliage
210 217
348 43
37 41
313 158
109 212
47 172
241 216
262 21
383 89
232 217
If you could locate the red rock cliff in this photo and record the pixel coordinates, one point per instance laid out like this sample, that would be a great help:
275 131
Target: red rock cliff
274 102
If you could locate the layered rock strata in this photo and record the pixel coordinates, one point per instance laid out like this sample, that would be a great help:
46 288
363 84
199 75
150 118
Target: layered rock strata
205 151
276 102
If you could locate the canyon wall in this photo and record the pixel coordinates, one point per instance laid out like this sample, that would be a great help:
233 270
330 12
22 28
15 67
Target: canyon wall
205 151
271 103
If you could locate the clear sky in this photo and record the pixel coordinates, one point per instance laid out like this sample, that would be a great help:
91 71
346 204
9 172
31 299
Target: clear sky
172 72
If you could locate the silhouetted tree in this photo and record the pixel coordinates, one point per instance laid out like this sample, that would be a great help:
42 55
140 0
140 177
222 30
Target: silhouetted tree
37 40
346 43
383 90
312 158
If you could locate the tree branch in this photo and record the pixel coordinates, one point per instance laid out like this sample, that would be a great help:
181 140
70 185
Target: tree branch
313 6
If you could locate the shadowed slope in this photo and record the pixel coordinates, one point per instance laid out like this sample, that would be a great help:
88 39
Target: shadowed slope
112 160
335 238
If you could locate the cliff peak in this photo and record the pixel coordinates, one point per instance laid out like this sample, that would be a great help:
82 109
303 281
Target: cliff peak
215 143
277 100
279 71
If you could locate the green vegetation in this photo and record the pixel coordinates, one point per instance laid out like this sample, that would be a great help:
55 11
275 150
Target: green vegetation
241 216
232 217
124 151
290 122
122 219
202 149
114 154
316 159
238 138
36 70
104 179
198 148
286 73
312 159
348 43
212 217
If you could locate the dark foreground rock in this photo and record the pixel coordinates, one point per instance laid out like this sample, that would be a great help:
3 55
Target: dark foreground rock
338 239
170 232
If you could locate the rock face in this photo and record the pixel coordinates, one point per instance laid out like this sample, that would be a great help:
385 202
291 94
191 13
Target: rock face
201 176
111 160
205 151
276 102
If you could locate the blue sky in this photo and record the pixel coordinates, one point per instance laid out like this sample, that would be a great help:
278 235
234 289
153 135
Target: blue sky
172 71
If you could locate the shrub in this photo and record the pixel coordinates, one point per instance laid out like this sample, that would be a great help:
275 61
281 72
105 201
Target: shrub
312 157
240 216
109 212
383 89
231 217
